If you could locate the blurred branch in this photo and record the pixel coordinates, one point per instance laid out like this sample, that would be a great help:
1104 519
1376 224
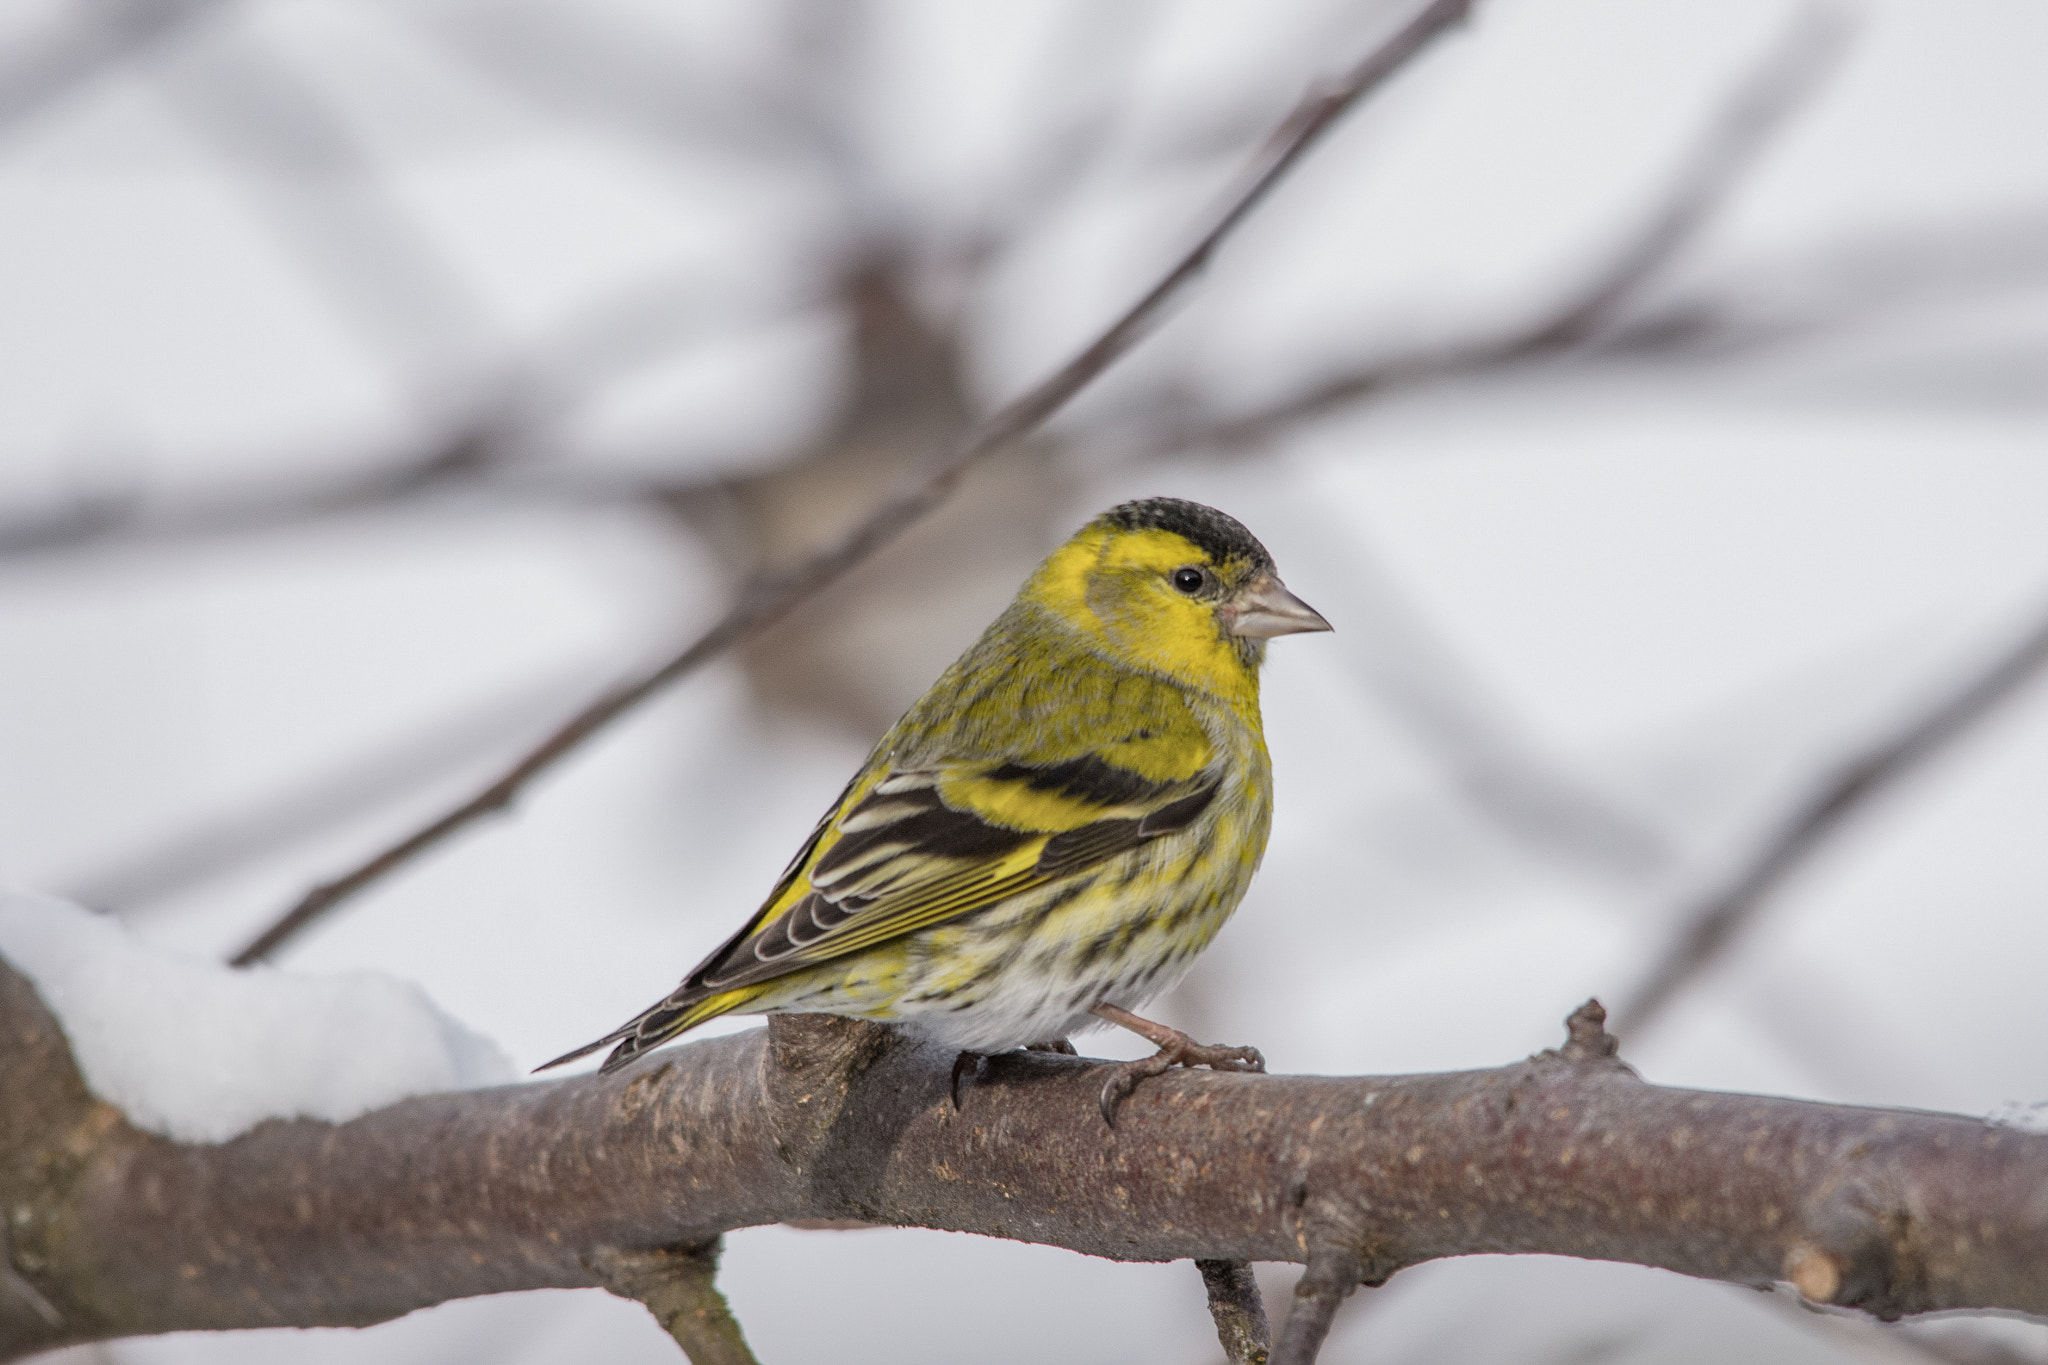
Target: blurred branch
130 517
1419 679
208 848
106 33
329 203
1761 107
1707 930
1845 281
1097 48
496 450
599 69
768 599
301 1222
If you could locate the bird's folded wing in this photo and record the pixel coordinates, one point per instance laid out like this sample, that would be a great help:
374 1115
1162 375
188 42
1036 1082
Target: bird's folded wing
924 846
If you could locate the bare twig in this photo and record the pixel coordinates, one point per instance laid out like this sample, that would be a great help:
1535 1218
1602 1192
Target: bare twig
1707 929
326 198
1848 281
496 450
483 730
1332 1274
768 600
1239 1311
679 1285
131 517
300 1222
1419 678
1760 107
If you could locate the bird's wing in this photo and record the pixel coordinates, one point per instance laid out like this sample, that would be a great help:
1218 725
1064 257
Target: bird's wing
935 838
921 846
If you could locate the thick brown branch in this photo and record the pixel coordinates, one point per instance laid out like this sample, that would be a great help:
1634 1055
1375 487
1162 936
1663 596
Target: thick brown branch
1706 930
770 599
446 1196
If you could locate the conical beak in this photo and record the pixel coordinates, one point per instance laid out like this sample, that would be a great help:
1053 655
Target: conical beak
1263 608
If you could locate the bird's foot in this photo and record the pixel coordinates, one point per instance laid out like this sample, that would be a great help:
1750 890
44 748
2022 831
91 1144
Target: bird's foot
966 1068
1059 1045
1175 1049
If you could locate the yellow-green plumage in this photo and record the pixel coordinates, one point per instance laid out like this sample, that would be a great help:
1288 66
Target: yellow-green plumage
1063 821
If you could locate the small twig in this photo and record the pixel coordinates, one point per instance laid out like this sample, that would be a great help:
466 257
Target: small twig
281 818
1853 280
1239 1311
495 449
679 1285
1418 677
1708 928
1761 107
455 457
1706 180
1331 1276
769 599
325 197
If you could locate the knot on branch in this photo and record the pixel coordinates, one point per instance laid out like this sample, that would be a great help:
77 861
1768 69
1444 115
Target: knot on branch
1586 1035
1859 1251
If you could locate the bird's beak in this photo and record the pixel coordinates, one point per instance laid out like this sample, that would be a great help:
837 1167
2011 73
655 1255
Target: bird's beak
1263 608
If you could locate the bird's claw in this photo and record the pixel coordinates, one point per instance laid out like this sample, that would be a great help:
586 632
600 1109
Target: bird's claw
966 1067
1124 1077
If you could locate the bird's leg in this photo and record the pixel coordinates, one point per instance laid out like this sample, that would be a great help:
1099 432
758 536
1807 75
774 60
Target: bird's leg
1059 1045
966 1067
1175 1049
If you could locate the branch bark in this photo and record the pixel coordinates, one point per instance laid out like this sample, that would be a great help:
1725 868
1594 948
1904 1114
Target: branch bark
116 1232
1239 1311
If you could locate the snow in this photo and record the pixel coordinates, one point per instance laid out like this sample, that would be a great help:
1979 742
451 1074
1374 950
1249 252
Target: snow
200 1052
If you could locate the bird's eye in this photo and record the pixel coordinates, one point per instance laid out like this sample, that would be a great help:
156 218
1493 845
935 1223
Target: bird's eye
1189 580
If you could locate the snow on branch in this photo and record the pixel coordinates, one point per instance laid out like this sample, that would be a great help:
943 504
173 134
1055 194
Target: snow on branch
191 1049
114 1231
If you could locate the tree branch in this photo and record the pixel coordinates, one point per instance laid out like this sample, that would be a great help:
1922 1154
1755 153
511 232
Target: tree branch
679 1286
301 1222
1760 107
767 600
1239 1311
57 61
1707 929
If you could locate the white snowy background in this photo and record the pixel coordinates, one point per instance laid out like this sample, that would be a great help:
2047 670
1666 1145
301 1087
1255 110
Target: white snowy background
1686 580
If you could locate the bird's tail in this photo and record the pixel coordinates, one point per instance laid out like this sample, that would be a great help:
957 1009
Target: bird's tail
678 1014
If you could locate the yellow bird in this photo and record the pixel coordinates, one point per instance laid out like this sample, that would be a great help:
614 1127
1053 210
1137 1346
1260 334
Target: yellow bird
1054 831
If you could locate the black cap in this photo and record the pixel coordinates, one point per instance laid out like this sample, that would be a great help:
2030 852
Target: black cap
1218 535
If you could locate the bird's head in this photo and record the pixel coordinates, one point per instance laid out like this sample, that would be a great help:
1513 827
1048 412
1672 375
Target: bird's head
1176 587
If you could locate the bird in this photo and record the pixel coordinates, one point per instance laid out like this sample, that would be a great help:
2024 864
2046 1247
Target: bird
1052 833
